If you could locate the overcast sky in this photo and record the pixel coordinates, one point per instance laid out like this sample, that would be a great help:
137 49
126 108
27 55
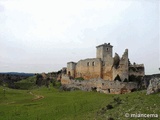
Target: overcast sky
43 35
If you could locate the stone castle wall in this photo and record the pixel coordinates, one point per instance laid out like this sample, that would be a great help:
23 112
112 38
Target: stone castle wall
105 66
88 68
136 69
100 85
122 69
107 73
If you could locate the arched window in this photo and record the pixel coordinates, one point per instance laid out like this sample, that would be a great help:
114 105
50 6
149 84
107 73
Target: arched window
93 63
69 73
107 49
87 63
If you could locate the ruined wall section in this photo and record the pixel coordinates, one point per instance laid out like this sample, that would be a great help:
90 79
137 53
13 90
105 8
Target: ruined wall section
137 70
100 85
71 67
89 68
107 73
122 70
65 79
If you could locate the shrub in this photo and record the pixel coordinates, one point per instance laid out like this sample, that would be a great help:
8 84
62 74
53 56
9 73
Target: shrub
39 80
58 84
109 106
79 78
53 81
110 118
1 82
117 100
94 89
24 85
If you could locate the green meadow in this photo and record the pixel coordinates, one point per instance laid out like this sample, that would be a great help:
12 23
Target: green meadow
51 104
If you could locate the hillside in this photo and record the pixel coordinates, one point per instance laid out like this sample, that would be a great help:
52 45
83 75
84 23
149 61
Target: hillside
10 78
52 104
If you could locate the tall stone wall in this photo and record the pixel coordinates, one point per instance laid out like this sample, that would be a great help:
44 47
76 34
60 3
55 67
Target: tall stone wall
89 68
122 69
107 72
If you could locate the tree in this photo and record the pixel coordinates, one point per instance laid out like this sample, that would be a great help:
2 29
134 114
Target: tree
39 80
4 90
47 82
1 82
53 82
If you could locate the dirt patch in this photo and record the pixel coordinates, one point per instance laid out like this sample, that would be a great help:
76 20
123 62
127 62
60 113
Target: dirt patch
37 97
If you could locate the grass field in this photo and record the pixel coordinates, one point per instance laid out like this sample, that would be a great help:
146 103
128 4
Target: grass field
45 104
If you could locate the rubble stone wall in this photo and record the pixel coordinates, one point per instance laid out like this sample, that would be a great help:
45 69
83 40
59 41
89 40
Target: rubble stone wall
100 85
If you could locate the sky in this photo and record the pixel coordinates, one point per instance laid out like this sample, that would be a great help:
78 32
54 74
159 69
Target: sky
43 35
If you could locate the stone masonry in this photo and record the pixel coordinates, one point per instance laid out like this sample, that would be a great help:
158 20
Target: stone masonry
105 66
100 85
104 73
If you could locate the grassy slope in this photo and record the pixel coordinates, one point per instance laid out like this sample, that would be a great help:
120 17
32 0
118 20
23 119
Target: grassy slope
79 105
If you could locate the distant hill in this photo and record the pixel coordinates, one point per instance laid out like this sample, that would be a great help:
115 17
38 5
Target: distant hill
19 74
10 77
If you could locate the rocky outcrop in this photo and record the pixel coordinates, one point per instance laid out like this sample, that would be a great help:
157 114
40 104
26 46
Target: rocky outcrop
154 86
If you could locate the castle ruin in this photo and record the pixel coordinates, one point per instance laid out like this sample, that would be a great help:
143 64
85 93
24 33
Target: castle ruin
104 67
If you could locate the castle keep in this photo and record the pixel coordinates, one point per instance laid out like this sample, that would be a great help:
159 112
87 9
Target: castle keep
105 66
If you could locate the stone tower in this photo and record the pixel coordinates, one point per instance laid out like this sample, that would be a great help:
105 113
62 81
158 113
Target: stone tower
71 69
103 51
